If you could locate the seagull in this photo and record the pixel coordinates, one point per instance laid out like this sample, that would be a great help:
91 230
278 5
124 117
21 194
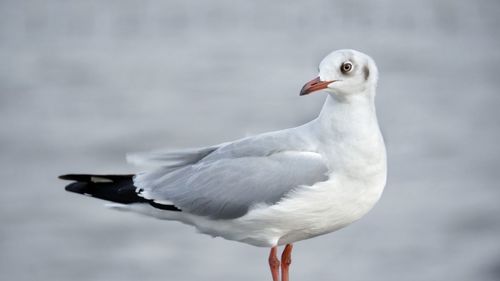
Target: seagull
272 189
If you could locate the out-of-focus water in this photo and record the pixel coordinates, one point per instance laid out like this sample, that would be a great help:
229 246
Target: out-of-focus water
83 83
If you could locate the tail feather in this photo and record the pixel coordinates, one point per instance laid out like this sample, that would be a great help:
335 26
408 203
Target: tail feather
114 188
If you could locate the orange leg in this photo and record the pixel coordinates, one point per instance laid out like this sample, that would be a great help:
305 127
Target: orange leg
286 260
274 264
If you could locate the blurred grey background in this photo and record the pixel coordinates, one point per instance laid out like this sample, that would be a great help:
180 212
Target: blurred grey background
84 82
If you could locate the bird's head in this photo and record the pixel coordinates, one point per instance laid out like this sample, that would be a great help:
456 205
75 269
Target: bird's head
343 73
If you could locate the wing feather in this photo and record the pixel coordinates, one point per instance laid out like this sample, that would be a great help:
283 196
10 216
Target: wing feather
171 159
227 188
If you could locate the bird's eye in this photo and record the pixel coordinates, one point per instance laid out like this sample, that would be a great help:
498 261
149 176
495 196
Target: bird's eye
346 67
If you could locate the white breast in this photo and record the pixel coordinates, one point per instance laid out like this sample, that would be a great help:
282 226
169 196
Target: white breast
312 211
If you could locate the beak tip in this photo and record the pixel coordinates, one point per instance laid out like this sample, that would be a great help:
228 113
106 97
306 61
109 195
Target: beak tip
314 85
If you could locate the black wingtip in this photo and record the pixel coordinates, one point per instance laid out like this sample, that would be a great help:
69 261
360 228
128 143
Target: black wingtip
66 177
76 177
77 187
88 177
114 188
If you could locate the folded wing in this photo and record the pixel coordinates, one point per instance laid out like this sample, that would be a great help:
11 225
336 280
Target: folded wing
227 188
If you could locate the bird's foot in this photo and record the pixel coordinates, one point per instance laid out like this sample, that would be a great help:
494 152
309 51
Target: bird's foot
274 264
286 260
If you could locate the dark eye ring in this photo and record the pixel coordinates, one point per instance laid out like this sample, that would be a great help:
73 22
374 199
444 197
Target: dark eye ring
346 67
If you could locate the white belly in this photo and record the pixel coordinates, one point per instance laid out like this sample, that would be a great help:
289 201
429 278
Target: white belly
306 213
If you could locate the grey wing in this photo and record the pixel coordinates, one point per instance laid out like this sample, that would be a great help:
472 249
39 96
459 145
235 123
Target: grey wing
227 188
171 160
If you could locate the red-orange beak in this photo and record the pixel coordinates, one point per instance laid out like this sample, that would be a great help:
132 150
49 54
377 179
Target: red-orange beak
314 85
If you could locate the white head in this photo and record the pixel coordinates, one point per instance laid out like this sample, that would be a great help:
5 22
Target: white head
343 73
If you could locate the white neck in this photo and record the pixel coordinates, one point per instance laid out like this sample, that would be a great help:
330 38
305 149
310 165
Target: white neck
349 116
348 130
